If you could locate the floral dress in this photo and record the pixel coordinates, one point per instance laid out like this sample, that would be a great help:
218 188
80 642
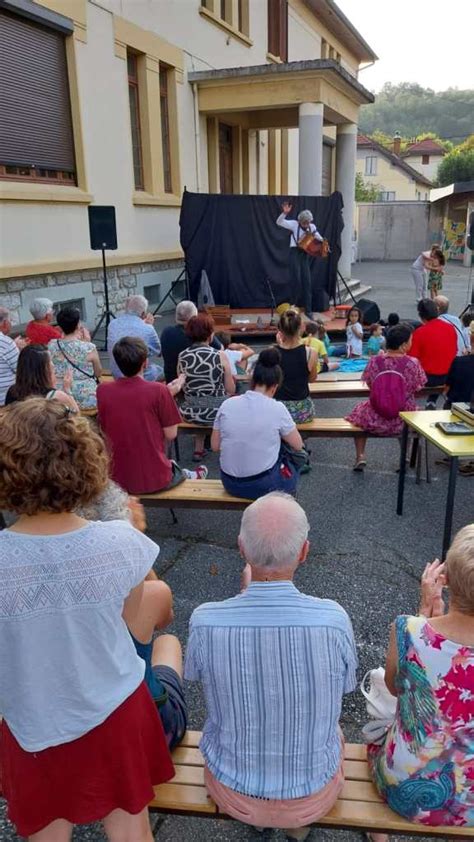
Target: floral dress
425 767
84 385
365 416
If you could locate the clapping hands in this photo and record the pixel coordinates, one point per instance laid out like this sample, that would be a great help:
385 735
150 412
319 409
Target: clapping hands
433 581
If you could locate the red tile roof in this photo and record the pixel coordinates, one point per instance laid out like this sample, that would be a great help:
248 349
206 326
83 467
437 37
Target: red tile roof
424 147
364 142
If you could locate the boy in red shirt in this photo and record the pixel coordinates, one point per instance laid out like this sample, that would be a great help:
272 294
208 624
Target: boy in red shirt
435 345
40 330
138 418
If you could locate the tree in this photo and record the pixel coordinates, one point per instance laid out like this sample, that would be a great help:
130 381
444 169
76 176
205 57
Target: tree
458 165
365 192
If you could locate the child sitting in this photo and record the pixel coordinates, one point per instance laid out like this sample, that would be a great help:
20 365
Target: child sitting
311 340
376 341
237 353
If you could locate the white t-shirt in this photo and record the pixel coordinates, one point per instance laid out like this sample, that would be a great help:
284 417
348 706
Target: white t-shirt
354 341
296 230
67 658
233 357
251 427
419 262
8 361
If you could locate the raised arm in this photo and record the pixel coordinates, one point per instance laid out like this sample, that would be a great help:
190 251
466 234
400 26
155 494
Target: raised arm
282 221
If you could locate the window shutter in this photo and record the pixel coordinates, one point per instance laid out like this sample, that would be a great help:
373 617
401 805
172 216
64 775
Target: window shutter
35 127
283 51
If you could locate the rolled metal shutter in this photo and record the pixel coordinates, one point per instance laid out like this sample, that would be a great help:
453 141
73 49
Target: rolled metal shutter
35 123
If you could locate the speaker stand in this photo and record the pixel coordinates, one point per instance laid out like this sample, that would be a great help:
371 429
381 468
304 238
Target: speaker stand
170 293
338 295
107 315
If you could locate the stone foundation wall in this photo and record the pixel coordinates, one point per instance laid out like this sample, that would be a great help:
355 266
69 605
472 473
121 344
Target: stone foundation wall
87 284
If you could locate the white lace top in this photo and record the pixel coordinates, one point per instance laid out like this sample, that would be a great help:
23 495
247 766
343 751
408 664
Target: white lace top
67 658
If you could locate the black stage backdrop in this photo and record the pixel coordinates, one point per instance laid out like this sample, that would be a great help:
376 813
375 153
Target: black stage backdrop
236 240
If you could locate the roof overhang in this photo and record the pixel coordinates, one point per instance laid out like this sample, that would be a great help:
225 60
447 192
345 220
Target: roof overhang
277 87
451 189
335 20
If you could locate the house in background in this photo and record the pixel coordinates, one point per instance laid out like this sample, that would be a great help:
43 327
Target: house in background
425 156
123 103
395 178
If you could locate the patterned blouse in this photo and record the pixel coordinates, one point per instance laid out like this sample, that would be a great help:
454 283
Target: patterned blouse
204 389
84 386
425 768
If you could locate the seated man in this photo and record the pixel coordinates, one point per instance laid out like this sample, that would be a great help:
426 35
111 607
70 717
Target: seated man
274 665
9 353
174 338
40 330
138 323
442 304
137 419
434 345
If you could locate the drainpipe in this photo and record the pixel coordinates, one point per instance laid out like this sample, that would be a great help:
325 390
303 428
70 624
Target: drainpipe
197 137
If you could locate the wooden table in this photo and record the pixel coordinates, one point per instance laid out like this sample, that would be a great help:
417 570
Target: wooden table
455 447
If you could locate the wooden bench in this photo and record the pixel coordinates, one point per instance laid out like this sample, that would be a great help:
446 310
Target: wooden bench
359 805
195 494
317 428
354 389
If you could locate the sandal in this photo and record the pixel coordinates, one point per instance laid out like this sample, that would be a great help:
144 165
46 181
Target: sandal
360 465
198 455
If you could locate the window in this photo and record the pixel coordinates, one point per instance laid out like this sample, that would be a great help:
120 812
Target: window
387 196
165 129
278 28
226 162
371 165
36 139
79 303
152 294
426 197
233 13
134 100
425 159
418 196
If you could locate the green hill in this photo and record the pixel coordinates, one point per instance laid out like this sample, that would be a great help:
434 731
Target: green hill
412 110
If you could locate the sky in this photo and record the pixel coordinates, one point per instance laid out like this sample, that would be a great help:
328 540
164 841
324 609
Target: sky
425 41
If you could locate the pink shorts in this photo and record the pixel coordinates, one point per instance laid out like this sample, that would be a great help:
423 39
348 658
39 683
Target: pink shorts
262 812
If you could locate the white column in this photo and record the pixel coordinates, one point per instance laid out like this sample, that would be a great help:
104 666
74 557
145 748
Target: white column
310 164
346 153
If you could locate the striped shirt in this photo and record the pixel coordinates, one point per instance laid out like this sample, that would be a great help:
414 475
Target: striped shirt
274 665
8 360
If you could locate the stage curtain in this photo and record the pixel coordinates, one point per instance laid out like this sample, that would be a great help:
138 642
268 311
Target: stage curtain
236 240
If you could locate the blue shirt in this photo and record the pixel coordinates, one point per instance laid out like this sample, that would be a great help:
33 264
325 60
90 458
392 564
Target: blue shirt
274 665
127 324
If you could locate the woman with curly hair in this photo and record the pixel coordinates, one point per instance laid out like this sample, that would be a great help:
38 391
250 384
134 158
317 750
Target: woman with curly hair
81 737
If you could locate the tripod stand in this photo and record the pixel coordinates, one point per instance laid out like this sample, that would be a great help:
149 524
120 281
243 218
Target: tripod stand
170 293
338 291
107 315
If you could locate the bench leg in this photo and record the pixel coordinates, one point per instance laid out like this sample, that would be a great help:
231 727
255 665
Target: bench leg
173 516
414 451
176 449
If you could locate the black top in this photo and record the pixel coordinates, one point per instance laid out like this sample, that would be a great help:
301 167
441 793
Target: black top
294 362
173 341
461 380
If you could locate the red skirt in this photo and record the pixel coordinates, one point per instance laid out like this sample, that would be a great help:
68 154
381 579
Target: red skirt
113 766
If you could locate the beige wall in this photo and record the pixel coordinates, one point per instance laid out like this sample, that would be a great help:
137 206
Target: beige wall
47 232
390 178
428 170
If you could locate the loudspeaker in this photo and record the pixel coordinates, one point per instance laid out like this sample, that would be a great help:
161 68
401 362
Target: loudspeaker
370 311
320 300
102 227
470 236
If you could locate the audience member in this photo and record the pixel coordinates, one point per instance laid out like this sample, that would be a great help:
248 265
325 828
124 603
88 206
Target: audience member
434 345
299 365
466 320
88 743
442 303
237 353
174 339
423 769
393 319
76 354
208 378
138 323
460 380
376 340
249 431
40 330
35 377
354 333
274 665
9 351
138 418
311 340
394 378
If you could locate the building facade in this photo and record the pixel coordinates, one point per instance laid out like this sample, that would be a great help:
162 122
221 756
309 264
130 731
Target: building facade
128 102
394 178
425 156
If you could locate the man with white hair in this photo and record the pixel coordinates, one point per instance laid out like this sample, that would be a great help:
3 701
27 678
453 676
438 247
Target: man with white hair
40 331
300 272
9 351
442 304
174 339
139 324
274 665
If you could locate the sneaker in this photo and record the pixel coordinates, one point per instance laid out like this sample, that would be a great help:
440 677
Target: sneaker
359 465
201 472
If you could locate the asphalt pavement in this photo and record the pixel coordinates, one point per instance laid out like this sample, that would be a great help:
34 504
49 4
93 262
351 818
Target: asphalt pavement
362 554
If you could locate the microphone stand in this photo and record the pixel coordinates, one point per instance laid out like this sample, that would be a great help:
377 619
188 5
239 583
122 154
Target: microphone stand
272 298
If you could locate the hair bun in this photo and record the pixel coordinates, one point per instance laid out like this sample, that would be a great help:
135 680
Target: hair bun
269 357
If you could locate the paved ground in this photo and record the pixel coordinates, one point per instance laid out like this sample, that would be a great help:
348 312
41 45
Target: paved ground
361 554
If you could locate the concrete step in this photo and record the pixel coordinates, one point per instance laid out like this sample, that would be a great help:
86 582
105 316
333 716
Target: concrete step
357 288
